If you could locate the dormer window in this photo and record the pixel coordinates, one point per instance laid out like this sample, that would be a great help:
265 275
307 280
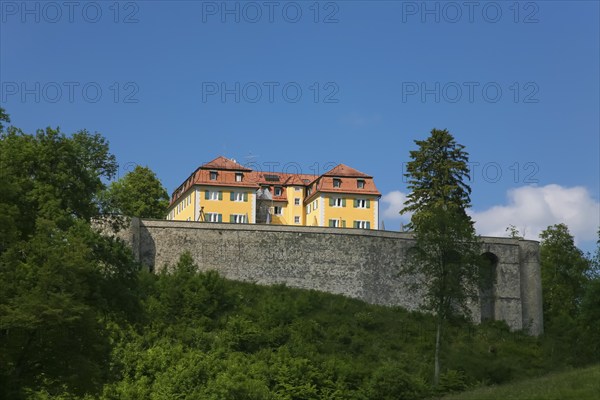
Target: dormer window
278 191
213 175
337 182
360 184
238 177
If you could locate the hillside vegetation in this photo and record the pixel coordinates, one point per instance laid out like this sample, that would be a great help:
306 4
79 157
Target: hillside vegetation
579 384
201 336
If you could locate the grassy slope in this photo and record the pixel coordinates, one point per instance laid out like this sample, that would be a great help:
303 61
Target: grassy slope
579 384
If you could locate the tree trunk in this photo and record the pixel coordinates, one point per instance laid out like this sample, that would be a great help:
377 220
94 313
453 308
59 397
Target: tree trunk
436 368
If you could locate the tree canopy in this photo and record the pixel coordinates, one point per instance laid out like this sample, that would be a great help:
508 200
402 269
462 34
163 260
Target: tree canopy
138 194
60 278
446 253
564 271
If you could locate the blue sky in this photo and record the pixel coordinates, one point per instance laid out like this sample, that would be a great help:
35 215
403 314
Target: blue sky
306 85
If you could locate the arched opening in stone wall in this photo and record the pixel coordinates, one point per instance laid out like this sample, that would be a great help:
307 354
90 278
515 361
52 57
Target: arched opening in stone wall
487 281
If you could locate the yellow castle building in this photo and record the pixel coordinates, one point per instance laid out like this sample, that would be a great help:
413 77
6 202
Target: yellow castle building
224 191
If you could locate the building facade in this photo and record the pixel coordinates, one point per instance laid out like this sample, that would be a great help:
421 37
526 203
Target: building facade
224 191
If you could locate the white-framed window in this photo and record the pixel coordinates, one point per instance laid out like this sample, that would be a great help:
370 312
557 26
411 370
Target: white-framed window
337 182
297 188
315 204
362 224
239 176
337 223
361 203
237 218
278 210
213 175
308 191
278 191
308 209
238 196
213 217
297 201
337 202
360 183
296 220
213 195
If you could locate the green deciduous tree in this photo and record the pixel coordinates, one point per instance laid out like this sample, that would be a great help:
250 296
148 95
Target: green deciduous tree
138 194
447 250
53 176
589 321
565 279
61 280
564 270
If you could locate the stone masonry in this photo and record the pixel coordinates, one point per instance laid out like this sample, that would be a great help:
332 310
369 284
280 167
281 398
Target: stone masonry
358 263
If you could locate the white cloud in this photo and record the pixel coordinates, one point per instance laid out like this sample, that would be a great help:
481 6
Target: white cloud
531 209
391 204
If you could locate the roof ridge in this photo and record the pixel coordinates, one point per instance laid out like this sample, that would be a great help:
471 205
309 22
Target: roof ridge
344 170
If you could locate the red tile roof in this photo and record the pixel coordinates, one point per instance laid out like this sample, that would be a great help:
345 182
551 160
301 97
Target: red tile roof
222 163
228 169
347 185
344 170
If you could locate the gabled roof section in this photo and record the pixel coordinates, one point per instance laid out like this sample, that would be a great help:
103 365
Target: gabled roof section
223 163
227 171
344 170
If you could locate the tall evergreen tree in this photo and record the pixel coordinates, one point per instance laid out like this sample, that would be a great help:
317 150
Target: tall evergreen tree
446 253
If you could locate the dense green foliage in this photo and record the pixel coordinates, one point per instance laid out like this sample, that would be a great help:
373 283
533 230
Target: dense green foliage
198 335
564 273
61 280
205 337
137 194
579 384
571 295
446 253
